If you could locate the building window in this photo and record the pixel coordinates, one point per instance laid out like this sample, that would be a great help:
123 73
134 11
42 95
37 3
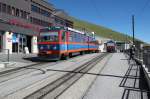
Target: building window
45 13
3 7
13 11
8 9
27 16
21 13
39 22
40 11
59 21
0 7
35 9
17 12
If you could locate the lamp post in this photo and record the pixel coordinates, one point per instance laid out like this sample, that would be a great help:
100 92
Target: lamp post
133 23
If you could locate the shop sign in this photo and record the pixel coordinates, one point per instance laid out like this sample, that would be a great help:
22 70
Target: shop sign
24 25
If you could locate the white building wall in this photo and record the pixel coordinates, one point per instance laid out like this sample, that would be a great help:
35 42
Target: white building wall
7 42
34 45
102 48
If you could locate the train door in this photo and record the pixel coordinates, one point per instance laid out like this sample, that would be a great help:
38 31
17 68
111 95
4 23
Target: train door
64 40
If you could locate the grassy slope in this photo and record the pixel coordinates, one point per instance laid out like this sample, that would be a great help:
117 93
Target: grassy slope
99 30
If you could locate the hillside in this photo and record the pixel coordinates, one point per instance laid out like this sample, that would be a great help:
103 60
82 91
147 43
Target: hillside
99 30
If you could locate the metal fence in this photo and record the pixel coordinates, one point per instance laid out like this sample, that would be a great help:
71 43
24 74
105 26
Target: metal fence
143 53
146 57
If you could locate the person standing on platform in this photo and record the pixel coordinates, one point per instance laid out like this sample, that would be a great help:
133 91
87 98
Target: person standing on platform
132 51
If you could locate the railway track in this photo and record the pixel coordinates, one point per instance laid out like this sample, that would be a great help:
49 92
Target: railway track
56 88
32 66
20 71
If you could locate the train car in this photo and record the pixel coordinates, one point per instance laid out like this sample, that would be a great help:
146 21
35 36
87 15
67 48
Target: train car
111 46
61 42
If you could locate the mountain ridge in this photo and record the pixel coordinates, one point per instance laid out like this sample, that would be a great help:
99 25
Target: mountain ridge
99 30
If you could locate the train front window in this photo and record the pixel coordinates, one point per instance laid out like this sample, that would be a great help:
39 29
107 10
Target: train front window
49 37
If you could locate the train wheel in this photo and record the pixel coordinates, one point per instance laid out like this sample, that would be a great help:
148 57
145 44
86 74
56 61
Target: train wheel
82 53
70 55
64 57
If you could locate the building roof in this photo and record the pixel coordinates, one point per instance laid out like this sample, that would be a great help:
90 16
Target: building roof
45 4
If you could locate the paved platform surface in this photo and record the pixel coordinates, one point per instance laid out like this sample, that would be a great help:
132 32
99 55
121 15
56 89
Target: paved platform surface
25 58
20 84
16 60
119 80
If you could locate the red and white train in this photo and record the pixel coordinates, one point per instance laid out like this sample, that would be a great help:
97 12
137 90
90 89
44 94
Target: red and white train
61 42
111 46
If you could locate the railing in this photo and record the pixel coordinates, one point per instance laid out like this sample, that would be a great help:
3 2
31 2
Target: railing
4 55
143 54
146 57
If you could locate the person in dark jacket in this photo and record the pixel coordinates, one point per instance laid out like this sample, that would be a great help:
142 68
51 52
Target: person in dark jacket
131 51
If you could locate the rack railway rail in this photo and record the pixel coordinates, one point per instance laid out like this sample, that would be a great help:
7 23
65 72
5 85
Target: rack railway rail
56 88
19 71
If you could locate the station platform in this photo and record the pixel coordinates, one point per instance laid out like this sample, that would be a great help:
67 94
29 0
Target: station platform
16 60
120 79
114 77
17 57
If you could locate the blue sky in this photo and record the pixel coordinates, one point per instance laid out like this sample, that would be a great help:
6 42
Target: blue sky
114 14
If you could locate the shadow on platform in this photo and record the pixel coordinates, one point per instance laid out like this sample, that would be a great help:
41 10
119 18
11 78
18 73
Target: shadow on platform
107 75
124 59
37 59
134 83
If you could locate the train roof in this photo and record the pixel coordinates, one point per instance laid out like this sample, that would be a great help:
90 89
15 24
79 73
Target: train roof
110 41
74 30
65 28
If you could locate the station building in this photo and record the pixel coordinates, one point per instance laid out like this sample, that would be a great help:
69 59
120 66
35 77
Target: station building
21 20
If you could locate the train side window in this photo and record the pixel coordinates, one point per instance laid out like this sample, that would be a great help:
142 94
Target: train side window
45 38
80 38
64 36
73 37
83 38
70 37
76 37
